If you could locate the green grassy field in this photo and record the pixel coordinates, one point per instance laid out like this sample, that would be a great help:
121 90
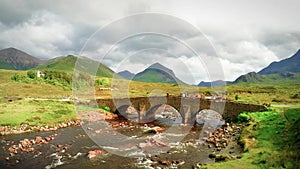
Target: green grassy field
262 93
249 93
36 113
271 140
10 88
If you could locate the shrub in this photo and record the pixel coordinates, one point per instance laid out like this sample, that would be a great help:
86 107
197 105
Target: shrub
18 77
295 96
32 74
243 117
102 81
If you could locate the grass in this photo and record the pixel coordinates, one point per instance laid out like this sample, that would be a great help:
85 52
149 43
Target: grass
262 93
10 88
247 93
271 140
36 113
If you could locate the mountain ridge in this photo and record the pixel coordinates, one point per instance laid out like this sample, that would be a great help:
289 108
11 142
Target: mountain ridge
15 59
291 64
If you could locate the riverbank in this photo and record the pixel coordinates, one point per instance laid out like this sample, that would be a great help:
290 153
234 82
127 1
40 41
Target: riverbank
270 140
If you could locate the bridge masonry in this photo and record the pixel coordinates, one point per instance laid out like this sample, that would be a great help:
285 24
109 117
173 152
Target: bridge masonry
187 107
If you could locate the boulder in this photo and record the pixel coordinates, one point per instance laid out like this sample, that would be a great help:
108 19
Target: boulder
39 139
95 153
158 129
165 162
48 139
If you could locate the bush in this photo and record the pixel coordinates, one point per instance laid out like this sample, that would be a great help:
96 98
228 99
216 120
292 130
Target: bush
18 77
32 74
57 78
295 96
243 117
102 82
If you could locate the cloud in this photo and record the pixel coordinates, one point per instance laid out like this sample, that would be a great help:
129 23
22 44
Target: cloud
247 36
44 35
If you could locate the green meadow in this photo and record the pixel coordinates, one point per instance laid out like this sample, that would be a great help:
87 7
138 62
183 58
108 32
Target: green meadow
270 139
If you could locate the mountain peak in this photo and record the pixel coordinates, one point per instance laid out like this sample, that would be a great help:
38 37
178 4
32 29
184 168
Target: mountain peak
12 58
250 77
157 73
161 67
157 66
11 50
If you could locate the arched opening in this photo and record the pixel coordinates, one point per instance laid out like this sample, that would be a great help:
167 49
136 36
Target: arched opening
210 117
164 114
127 112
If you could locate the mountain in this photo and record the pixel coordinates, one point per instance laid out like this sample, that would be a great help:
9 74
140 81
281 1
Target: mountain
251 77
157 73
291 64
276 78
126 74
284 71
67 63
11 58
213 83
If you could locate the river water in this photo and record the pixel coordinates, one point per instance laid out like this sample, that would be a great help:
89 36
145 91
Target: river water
127 145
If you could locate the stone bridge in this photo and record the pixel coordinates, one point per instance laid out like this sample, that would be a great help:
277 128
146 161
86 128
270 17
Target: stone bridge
187 107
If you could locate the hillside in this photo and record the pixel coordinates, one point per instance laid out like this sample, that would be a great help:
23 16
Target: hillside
291 64
14 59
157 73
278 78
67 64
126 74
251 77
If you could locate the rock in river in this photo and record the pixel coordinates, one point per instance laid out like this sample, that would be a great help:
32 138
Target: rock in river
95 153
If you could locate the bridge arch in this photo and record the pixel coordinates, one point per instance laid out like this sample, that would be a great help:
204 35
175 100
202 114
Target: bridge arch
128 112
163 111
210 117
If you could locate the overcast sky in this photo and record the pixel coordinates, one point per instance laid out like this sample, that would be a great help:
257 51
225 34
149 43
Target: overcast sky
242 36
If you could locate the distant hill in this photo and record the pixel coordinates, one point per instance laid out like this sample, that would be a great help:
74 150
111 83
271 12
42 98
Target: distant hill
67 63
126 74
157 73
213 83
291 64
276 78
14 59
251 77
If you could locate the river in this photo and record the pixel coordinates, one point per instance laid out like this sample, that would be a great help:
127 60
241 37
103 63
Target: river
126 144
